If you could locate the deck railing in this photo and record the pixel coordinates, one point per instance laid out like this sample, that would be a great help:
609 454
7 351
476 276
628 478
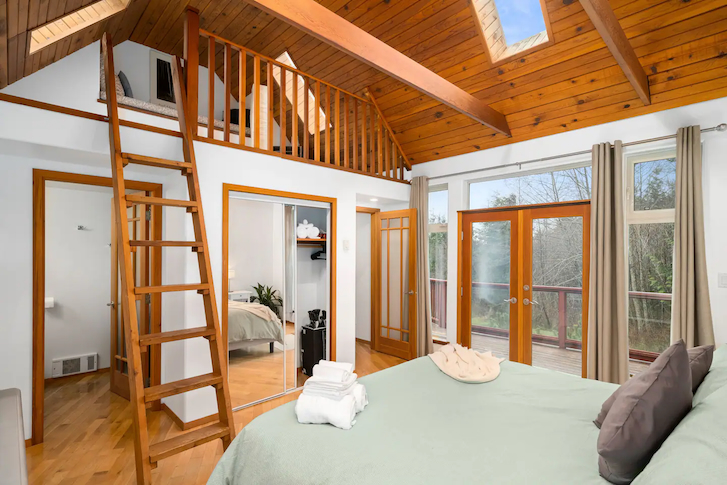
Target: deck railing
439 312
287 112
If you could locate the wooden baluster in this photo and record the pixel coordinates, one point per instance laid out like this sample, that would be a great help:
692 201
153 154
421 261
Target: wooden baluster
387 155
294 116
337 144
317 122
283 111
228 89
211 87
271 105
355 134
379 126
256 100
346 158
242 96
306 119
394 160
191 64
364 139
328 124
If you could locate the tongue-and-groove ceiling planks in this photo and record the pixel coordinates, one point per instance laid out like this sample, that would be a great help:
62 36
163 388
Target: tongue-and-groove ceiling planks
574 83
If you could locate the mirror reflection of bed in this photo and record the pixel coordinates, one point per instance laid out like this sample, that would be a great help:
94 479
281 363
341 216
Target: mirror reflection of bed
271 274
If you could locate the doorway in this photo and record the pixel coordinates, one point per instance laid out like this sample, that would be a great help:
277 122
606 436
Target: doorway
41 179
524 283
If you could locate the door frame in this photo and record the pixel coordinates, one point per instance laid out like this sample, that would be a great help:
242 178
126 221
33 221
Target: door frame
520 340
226 189
375 258
40 177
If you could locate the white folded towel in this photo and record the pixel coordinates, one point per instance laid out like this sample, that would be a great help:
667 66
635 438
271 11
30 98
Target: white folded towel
329 373
338 365
358 391
467 365
326 385
319 410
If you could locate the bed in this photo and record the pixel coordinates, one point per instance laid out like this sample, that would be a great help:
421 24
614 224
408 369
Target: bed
252 324
529 426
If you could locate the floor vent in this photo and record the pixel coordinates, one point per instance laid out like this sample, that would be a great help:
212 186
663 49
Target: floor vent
75 365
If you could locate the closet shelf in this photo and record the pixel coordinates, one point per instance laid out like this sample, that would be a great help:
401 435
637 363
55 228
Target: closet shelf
312 242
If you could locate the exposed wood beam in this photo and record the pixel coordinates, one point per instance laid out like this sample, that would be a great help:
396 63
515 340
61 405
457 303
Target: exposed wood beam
316 20
3 44
606 23
370 95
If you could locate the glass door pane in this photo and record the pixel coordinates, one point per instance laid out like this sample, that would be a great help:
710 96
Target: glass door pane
555 300
492 304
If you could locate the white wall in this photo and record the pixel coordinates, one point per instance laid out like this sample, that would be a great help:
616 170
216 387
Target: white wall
706 114
363 276
77 272
256 244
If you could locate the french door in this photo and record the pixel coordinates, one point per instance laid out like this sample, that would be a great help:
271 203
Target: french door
394 253
524 283
146 263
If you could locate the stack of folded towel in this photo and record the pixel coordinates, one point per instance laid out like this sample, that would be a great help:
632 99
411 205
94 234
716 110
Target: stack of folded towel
332 395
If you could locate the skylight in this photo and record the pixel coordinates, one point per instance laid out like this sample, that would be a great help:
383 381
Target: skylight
511 27
75 21
520 19
285 58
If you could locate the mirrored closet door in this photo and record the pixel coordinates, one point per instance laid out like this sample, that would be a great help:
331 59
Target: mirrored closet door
277 284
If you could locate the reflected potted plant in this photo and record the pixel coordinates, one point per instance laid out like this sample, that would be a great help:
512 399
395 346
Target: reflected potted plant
268 297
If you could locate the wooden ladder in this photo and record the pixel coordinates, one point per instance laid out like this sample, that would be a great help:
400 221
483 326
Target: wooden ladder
148 455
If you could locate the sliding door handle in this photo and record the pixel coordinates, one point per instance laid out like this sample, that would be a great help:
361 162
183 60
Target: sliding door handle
512 300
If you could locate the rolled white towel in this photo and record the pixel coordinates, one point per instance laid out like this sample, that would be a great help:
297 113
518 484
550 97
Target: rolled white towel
328 373
339 365
319 410
358 391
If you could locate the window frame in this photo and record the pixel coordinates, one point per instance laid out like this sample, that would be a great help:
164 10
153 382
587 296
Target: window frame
632 216
155 55
443 226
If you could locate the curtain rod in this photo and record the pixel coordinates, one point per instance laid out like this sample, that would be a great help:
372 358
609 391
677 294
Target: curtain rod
721 127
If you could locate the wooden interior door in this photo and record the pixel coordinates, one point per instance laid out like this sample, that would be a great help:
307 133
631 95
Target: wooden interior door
524 283
395 282
139 220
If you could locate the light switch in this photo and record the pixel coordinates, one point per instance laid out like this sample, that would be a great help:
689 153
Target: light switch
346 244
722 280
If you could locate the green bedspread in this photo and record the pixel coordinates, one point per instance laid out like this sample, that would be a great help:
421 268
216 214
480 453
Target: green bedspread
529 426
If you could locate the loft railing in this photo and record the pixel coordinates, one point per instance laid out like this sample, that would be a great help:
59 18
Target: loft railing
284 111
439 314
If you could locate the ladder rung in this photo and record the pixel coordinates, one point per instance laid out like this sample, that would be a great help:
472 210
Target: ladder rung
143 199
155 162
155 393
142 290
183 442
154 244
174 335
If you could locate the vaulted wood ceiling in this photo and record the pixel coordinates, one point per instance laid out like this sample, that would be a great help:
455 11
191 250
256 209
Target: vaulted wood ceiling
573 83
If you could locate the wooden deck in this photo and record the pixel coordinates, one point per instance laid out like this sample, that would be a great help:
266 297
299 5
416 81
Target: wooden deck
545 356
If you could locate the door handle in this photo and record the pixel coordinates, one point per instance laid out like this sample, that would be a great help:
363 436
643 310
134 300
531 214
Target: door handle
512 300
111 304
410 292
530 302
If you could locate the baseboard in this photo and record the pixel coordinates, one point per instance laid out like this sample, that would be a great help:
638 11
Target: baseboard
97 371
192 424
363 341
28 443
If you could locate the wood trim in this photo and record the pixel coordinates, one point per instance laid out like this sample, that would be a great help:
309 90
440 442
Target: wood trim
440 341
367 210
375 264
460 277
226 189
191 59
521 207
185 426
3 44
88 373
323 24
606 23
40 177
388 128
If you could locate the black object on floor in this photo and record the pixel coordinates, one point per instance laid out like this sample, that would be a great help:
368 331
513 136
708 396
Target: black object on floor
313 347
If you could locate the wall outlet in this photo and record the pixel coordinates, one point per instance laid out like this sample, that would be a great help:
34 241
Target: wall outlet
722 280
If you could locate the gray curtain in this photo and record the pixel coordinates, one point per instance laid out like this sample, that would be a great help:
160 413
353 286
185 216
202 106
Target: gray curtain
420 201
607 316
691 311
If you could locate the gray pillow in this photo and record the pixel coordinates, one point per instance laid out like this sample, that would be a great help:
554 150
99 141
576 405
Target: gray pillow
125 84
700 360
644 414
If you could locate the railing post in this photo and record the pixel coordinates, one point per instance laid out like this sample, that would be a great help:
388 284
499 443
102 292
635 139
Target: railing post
191 63
562 318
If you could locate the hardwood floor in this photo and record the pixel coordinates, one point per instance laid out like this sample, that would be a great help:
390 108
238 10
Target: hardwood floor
89 436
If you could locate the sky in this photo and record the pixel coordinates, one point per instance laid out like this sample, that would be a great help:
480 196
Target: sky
520 19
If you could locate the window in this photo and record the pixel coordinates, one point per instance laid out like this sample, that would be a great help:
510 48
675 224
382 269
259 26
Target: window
511 27
162 86
559 186
650 215
438 206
